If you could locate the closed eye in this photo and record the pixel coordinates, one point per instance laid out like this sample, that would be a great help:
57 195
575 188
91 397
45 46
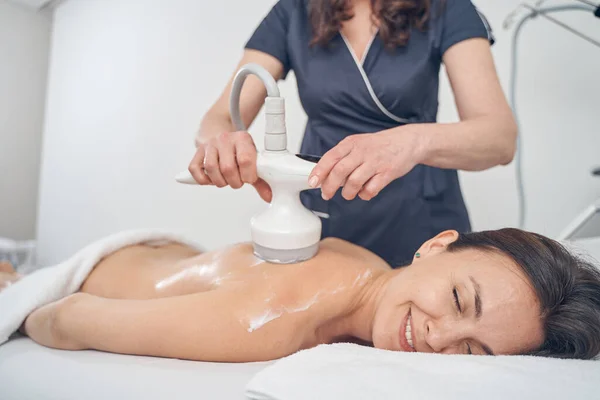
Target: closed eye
455 292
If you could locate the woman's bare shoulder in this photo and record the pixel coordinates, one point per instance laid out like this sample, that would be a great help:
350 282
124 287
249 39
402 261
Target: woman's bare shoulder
335 247
338 265
333 252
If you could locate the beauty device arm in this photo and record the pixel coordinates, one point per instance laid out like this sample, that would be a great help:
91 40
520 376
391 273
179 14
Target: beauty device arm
286 232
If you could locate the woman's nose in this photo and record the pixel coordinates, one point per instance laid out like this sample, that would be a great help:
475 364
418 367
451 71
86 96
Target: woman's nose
445 335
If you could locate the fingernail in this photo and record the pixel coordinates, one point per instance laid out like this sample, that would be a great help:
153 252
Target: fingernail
324 196
313 182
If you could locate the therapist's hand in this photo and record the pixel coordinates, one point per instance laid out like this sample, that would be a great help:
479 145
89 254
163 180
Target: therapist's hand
366 163
228 159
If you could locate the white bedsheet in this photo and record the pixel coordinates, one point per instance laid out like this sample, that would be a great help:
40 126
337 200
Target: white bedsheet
29 371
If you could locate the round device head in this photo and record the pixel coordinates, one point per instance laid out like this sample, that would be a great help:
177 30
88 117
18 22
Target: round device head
279 256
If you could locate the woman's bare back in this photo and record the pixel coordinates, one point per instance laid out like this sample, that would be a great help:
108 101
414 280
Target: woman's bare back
152 271
171 301
315 290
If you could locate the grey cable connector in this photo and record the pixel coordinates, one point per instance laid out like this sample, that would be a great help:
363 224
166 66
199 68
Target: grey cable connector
275 130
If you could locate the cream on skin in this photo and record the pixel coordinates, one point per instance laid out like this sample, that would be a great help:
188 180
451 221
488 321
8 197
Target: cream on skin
274 310
202 271
209 271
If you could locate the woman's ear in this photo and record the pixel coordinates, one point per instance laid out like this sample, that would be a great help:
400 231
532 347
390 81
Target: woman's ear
436 244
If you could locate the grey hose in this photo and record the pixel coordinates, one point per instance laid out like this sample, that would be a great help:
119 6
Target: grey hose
236 90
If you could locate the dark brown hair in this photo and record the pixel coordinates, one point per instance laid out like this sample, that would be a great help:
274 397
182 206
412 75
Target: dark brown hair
395 18
567 287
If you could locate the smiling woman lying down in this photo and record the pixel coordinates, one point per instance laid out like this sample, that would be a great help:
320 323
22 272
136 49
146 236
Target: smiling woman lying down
495 292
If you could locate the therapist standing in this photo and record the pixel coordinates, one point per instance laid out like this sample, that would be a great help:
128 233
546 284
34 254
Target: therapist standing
368 77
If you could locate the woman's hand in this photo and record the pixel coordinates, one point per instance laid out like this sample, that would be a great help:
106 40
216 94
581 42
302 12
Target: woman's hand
364 164
8 275
228 159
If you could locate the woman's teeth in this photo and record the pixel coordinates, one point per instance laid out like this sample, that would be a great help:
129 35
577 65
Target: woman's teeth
408 333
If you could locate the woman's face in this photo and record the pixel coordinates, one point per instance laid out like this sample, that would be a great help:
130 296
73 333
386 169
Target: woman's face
458 303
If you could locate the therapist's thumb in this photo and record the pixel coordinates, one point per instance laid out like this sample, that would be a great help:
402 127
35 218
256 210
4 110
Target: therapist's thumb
264 190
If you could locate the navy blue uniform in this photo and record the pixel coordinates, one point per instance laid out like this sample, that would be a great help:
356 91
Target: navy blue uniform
344 96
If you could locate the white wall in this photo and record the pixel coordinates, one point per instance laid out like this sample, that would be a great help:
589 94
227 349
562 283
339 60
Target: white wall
130 80
558 100
24 46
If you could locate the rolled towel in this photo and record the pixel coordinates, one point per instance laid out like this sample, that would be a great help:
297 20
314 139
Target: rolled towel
352 372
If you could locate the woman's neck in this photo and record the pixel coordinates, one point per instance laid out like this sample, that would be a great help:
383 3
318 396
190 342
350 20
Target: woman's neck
358 321
360 2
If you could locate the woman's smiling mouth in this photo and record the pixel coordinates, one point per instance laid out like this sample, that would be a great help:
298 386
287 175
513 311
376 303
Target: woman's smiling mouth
406 336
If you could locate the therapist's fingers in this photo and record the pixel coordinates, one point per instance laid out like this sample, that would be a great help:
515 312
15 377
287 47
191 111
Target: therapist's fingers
264 190
323 168
339 174
196 167
374 186
227 160
245 153
357 180
212 168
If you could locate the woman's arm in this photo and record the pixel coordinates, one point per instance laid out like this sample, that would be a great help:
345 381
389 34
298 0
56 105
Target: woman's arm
208 326
486 135
218 120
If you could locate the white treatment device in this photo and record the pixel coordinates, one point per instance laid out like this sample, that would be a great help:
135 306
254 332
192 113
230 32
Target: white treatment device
286 232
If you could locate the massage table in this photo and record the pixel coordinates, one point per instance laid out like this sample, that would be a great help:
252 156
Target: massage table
341 371
30 371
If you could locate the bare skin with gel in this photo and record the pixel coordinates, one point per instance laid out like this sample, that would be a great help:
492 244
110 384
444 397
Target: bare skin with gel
171 301
234 267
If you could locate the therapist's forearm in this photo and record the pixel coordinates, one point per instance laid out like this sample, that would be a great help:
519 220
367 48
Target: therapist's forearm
472 145
212 125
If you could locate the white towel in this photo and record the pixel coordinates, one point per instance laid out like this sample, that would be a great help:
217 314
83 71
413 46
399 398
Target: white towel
349 371
50 284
